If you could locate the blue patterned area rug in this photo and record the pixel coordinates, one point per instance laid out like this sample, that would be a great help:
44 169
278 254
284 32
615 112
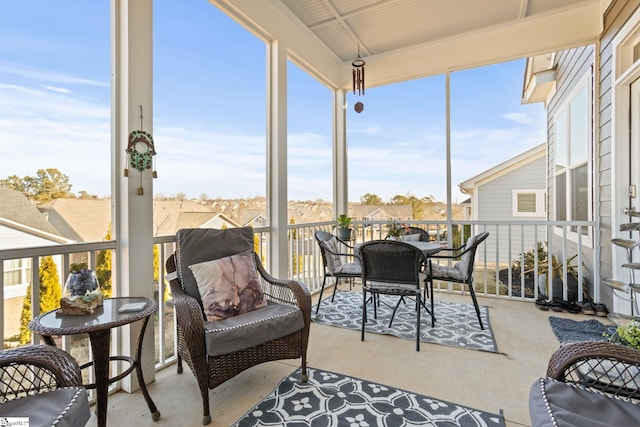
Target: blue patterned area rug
456 324
329 400
568 330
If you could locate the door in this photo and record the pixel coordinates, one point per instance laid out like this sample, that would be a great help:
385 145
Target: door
633 207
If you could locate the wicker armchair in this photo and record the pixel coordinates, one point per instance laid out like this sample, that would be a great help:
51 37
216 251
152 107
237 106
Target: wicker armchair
217 351
44 384
588 383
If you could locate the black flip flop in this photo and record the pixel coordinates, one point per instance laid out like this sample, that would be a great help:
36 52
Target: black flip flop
586 308
601 310
555 305
542 304
570 306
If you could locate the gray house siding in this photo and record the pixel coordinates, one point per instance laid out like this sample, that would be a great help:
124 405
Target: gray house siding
495 202
615 17
572 66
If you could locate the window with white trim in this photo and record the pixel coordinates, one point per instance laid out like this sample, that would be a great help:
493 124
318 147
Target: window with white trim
573 141
529 203
17 275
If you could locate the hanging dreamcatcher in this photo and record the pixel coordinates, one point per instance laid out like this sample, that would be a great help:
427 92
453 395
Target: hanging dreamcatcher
140 153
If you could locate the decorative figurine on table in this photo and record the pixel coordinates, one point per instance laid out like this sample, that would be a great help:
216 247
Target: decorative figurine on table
81 294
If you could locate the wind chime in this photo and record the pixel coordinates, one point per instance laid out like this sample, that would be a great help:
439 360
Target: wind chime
358 80
140 153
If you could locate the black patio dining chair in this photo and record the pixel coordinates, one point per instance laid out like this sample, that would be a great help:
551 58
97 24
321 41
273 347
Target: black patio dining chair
391 267
421 232
461 271
334 251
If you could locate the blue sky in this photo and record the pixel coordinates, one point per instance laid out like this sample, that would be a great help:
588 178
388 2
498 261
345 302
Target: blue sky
209 110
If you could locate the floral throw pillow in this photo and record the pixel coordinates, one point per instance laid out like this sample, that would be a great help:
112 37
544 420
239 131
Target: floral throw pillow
229 286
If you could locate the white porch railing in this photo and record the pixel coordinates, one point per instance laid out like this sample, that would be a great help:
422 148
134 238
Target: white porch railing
497 272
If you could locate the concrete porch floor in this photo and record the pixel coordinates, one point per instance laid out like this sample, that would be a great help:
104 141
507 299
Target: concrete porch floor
477 379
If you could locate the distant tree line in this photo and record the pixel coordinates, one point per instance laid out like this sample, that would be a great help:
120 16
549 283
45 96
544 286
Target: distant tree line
47 185
417 204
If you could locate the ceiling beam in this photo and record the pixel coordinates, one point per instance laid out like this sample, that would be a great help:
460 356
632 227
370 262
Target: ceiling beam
528 37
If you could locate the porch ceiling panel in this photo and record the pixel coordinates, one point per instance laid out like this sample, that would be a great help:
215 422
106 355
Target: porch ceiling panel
404 39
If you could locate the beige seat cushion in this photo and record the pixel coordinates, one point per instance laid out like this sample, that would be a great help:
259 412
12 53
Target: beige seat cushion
410 238
349 268
446 272
333 261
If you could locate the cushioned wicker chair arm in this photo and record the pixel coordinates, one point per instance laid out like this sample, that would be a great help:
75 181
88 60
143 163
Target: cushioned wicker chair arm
60 364
300 293
568 355
188 310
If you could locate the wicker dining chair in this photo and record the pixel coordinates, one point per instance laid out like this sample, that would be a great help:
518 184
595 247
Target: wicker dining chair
391 267
43 383
461 271
424 234
333 251
218 350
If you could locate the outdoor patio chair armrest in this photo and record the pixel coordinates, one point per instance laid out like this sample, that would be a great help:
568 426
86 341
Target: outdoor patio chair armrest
341 253
568 355
51 367
344 243
452 250
608 367
292 292
189 314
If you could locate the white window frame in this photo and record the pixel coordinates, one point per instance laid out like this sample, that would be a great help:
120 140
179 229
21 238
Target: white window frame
540 195
585 81
23 267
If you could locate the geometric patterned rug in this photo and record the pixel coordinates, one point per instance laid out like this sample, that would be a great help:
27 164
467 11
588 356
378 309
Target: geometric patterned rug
329 399
456 324
569 330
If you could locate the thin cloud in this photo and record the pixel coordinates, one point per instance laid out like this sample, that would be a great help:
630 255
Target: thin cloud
25 71
519 118
57 89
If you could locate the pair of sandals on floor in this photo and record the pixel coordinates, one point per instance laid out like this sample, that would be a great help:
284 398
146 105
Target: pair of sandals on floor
585 307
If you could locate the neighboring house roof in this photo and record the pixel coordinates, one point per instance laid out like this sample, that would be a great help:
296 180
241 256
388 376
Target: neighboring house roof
16 211
202 219
82 220
170 216
503 168
87 220
248 216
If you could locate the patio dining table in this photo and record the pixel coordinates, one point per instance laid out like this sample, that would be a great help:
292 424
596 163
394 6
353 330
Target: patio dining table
427 248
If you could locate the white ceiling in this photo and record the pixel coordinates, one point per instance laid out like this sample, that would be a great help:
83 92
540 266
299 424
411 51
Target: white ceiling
404 39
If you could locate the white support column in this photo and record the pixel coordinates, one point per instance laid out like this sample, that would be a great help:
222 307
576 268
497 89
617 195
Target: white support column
277 157
131 89
448 156
340 166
